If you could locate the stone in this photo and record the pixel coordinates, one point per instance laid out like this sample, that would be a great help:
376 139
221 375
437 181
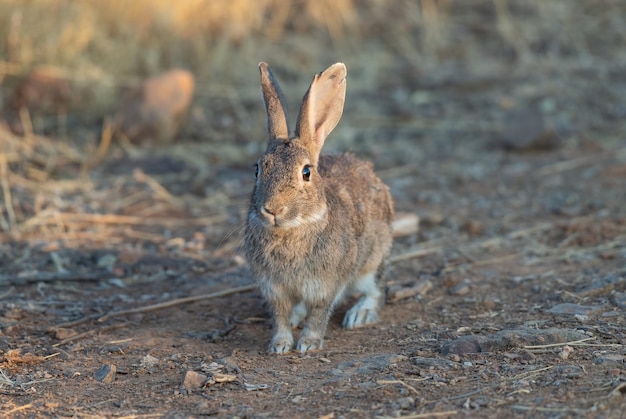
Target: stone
106 373
62 333
460 289
404 291
441 363
149 361
44 89
366 365
611 359
604 286
405 224
525 130
406 403
462 345
572 309
618 299
194 380
509 338
155 112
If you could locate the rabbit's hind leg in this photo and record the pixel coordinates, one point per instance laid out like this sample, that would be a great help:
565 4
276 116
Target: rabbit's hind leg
365 311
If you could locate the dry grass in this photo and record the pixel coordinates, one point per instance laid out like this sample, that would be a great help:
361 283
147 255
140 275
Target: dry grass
102 46
117 41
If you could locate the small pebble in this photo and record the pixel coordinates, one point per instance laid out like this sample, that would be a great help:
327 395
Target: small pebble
194 380
406 403
105 374
572 309
566 352
405 224
64 333
149 361
461 289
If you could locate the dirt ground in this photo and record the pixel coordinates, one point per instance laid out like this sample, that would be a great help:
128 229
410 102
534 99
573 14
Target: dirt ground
509 301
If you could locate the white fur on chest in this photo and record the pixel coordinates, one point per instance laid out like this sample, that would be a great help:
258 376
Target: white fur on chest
308 290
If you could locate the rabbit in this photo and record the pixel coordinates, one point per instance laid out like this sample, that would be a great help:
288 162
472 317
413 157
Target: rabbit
318 227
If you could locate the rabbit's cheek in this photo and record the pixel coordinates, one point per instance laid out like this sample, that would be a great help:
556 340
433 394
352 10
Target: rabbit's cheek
256 219
300 219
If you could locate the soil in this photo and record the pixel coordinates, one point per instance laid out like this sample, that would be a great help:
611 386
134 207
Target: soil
509 301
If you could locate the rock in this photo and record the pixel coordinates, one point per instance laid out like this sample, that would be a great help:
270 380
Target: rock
618 299
405 224
404 291
194 380
569 371
44 89
573 309
298 399
610 359
461 289
155 112
604 285
441 363
462 345
525 130
432 218
367 365
105 374
62 333
566 351
255 387
223 378
148 362
5 346
107 261
406 403
473 228
510 338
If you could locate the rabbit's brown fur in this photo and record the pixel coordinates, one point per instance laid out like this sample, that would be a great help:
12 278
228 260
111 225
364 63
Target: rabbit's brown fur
310 239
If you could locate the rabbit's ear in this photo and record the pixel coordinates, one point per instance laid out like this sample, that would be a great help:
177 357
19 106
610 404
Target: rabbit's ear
322 107
275 104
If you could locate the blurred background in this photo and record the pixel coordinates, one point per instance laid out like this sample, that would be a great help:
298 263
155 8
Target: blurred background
128 135
97 88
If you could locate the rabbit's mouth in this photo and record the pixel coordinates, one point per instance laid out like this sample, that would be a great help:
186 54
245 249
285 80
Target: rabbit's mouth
285 219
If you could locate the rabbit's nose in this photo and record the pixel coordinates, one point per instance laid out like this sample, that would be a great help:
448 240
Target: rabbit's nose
272 213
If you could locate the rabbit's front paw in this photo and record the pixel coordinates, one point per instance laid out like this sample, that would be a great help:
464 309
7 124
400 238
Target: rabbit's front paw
361 314
309 342
281 343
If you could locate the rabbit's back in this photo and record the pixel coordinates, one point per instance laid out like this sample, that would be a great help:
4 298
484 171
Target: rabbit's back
351 182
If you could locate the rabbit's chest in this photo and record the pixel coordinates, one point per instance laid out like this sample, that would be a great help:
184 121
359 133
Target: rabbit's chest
308 289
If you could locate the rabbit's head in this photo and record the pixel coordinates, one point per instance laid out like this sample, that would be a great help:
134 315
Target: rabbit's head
289 191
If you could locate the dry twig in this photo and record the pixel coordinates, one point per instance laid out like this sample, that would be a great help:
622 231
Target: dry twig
105 143
430 415
156 187
6 191
178 301
556 345
54 276
89 333
18 409
410 387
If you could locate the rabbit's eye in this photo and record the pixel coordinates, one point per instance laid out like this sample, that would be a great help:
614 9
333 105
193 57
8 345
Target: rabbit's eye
256 171
306 173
